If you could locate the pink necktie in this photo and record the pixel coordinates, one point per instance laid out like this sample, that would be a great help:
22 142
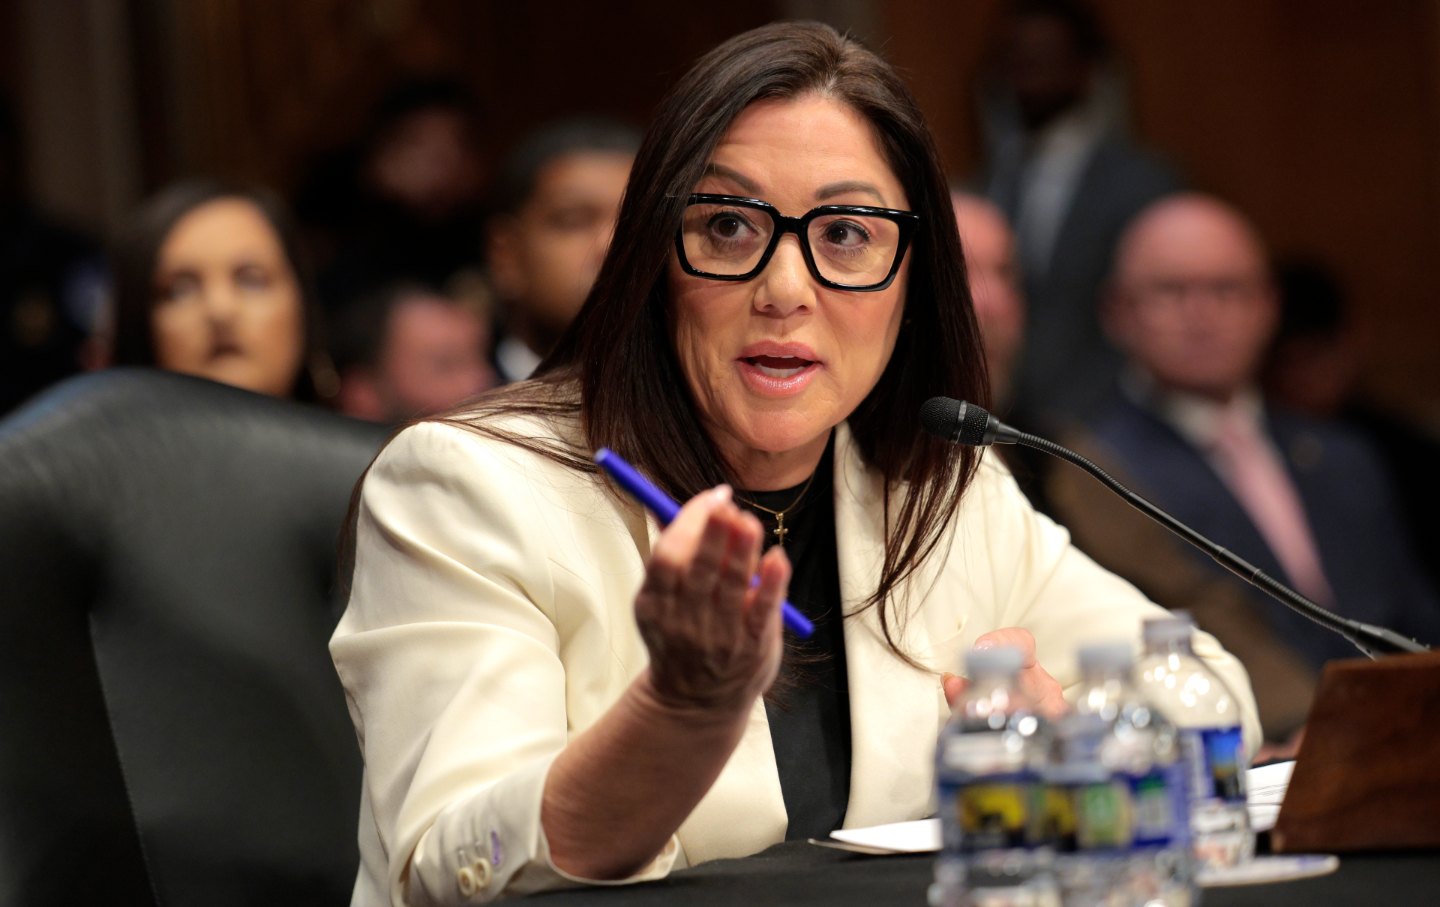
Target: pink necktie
1263 488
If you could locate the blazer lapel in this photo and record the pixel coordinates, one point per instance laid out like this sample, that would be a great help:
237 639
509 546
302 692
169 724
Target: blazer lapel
895 710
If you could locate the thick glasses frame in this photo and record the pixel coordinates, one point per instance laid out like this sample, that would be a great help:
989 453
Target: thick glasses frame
906 221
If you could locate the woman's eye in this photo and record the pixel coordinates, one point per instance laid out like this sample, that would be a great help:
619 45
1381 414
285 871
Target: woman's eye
252 277
727 226
845 233
177 288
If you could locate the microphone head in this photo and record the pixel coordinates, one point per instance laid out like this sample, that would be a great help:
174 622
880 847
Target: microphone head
961 423
941 417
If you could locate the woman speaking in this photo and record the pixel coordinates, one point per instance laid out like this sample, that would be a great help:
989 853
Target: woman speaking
547 687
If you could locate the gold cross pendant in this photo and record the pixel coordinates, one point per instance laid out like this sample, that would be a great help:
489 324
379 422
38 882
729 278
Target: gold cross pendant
780 530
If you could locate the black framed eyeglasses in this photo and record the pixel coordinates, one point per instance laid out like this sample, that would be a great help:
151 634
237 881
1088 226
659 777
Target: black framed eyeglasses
846 247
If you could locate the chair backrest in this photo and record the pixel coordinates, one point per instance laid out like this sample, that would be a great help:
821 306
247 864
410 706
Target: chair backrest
171 728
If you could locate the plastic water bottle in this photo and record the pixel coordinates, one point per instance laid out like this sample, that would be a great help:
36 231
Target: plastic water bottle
1133 821
1211 744
1089 816
991 797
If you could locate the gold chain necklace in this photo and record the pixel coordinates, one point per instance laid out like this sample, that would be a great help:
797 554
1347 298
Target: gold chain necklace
779 515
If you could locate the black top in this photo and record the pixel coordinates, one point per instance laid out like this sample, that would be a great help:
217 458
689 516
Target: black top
809 706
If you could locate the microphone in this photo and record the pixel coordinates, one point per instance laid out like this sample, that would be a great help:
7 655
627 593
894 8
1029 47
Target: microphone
968 424
964 423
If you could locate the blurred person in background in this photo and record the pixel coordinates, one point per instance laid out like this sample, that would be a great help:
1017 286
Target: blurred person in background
994 276
1062 170
1313 367
51 283
209 281
409 351
406 204
555 201
1157 562
1194 306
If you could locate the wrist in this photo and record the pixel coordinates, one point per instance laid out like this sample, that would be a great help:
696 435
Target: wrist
720 711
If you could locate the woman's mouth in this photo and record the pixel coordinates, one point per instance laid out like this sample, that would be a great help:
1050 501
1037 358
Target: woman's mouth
777 375
779 366
221 349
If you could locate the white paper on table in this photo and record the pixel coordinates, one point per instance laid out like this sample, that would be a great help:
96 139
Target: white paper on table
1266 786
919 836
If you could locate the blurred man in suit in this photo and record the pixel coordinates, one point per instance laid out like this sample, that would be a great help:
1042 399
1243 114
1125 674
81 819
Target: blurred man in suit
1193 306
408 351
993 271
1061 168
556 201
1314 367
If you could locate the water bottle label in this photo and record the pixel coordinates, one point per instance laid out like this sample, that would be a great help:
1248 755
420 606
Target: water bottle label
1089 816
1158 799
1059 822
1104 819
1217 760
1225 754
996 813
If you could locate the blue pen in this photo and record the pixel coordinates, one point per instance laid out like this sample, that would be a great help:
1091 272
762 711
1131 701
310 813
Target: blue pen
666 509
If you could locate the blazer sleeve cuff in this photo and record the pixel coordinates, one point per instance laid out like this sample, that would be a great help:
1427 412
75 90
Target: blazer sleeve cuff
491 844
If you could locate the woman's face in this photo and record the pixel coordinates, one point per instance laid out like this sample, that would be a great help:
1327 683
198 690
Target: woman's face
777 361
227 303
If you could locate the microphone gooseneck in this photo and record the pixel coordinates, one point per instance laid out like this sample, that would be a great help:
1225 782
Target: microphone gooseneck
968 424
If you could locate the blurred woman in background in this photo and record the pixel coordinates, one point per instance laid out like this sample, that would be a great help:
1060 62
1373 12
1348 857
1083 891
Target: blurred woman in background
209 281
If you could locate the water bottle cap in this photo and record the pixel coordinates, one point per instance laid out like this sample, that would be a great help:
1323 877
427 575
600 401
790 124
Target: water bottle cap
992 661
1176 628
1114 656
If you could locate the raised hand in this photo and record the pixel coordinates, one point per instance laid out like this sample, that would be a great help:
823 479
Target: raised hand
714 641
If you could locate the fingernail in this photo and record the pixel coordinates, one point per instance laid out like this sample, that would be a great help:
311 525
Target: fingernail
722 492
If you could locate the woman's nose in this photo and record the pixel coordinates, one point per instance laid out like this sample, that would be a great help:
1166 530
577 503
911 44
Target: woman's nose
221 301
785 286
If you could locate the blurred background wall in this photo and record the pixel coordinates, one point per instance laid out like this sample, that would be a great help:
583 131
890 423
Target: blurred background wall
1320 118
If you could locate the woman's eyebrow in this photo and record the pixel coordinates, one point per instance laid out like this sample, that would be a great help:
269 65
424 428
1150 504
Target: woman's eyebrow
842 188
734 176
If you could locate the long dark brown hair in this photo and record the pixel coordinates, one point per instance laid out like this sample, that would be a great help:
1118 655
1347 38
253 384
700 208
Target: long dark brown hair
619 353
135 257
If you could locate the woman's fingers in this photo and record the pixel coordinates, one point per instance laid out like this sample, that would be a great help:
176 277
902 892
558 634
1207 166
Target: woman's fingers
675 548
774 581
713 555
1015 637
953 686
740 557
695 607
1037 683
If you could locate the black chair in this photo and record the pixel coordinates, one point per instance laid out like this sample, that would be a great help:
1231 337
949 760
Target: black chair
171 727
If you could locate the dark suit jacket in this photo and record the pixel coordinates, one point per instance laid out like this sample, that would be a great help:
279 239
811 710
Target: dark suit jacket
1067 368
1348 500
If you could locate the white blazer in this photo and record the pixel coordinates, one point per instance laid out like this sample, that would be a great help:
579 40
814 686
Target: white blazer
491 620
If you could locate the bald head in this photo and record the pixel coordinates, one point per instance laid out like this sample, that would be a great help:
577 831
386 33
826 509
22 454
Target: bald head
1189 231
994 283
1191 300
